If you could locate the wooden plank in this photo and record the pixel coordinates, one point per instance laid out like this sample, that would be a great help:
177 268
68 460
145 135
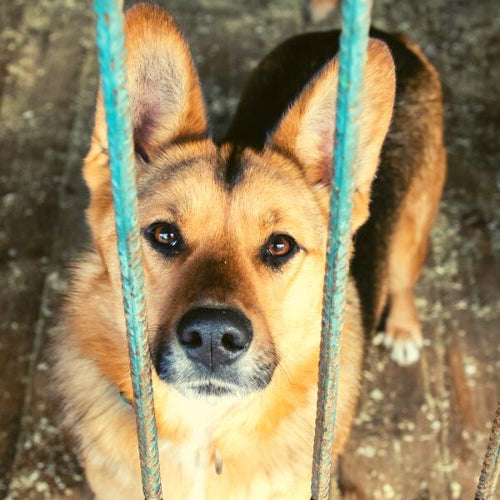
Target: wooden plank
420 431
37 110
459 293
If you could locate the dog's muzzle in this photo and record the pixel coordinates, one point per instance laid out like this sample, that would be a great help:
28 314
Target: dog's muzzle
209 354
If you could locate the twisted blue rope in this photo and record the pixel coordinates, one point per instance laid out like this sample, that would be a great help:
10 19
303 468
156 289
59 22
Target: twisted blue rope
490 473
353 47
110 42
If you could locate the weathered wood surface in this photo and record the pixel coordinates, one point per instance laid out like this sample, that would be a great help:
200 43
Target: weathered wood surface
421 431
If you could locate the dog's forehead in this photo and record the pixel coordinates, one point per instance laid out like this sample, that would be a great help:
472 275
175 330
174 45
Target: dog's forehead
172 166
229 181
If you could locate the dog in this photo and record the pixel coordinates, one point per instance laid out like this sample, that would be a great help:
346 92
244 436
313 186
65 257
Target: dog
234 234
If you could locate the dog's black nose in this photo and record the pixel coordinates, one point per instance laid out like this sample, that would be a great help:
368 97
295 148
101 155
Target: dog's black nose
214 336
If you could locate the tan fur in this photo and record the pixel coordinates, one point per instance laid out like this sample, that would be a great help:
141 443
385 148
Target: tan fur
409 244
264 440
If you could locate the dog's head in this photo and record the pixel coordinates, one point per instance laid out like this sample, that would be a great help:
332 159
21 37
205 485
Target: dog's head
233 239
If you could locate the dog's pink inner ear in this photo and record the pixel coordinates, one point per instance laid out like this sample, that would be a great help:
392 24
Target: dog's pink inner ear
306 130
143 132
158 105
314 144
165 95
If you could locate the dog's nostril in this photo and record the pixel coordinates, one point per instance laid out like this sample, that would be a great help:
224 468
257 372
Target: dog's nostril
192 339
231 342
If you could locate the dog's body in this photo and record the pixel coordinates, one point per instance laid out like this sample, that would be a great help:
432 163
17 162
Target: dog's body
391 246
234 253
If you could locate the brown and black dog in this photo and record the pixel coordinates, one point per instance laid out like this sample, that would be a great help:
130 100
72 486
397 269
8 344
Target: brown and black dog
234 254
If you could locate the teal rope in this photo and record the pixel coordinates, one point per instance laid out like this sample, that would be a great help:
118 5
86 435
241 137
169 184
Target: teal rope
490 473
353 47
110 42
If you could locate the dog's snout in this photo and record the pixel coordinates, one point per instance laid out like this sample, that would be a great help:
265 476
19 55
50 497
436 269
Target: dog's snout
214 336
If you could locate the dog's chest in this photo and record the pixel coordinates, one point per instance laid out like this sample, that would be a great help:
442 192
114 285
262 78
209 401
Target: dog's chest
278 467
196 457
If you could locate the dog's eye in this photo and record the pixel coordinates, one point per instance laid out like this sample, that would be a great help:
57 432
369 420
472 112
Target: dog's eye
278 249
279 246
166 238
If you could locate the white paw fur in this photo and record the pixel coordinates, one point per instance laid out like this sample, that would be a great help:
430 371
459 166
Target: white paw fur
404 349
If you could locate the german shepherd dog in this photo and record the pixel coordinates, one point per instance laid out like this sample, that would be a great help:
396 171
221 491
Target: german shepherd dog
234 237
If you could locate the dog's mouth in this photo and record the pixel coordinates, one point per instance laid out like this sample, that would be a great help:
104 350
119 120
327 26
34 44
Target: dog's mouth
211 388
239 379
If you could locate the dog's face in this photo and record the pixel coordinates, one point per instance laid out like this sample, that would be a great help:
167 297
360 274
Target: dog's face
233 239
233 266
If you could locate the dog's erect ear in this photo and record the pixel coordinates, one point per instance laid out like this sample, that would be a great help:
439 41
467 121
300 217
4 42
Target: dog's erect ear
165 95
307 128
165 103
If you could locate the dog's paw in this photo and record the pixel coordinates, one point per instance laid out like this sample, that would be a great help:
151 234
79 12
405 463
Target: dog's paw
404 344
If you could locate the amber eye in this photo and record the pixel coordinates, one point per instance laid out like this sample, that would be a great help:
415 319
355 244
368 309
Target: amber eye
279 245
165 235
166 238
278 249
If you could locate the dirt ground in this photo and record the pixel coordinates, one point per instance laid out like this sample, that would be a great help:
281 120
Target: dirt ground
421 431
